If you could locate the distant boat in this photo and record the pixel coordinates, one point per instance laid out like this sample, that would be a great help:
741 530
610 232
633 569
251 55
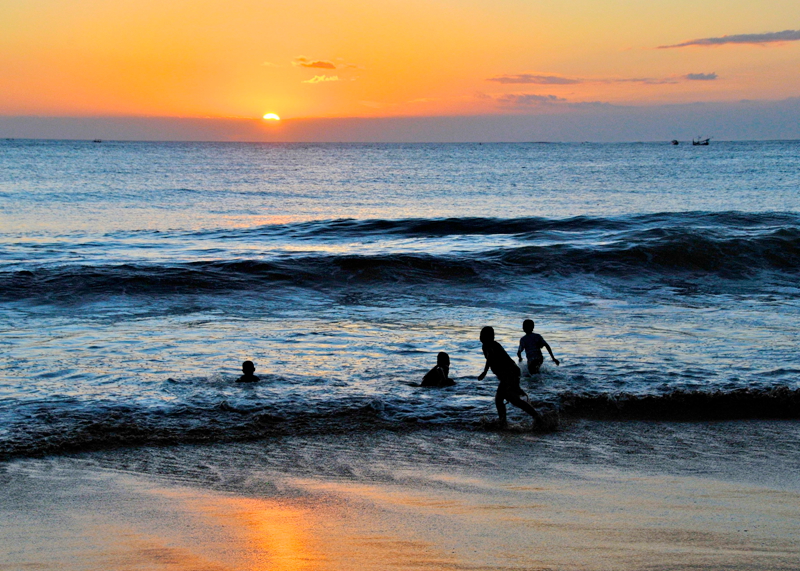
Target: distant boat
97 141
701 141
675 142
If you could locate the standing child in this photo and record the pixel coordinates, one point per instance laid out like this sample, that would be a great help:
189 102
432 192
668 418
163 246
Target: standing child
507 372
533 343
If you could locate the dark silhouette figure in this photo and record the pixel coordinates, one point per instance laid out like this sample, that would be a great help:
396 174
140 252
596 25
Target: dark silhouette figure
532 343
437 377
248 368
507 372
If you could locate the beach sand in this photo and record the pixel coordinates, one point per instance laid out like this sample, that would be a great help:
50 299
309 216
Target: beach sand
588 498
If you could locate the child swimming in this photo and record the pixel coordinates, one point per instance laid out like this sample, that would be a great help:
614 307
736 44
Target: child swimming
248 368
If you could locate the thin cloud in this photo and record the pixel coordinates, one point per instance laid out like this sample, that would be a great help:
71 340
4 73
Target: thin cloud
528 99
594 105
534 79
645 80
700 76
301 61
753 39
538 79
341 63
523 101
322 79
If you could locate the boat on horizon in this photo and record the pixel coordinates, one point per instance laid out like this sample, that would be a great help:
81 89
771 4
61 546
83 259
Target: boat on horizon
701 141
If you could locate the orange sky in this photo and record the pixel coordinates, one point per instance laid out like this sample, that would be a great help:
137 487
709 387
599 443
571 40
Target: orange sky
244 58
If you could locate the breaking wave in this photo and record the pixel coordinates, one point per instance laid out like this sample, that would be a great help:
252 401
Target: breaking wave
732 246
53 430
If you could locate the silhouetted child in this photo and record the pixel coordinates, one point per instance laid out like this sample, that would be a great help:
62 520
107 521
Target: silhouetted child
248 368
437 377
532 343
507 372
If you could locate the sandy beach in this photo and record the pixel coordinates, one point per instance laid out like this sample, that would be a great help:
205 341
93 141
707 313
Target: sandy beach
581 499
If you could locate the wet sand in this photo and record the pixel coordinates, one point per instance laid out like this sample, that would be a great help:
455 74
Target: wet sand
418 500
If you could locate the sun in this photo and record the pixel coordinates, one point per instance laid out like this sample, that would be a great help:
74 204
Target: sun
271 117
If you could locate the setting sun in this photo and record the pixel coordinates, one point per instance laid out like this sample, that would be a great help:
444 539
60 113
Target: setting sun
271 117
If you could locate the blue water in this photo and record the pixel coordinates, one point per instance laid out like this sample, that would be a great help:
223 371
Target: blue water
136 277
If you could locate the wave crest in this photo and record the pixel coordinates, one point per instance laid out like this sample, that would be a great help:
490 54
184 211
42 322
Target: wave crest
775 403
61 431
729 245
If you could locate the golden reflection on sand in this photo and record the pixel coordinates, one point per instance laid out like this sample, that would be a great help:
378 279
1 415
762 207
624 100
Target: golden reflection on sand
274 535
279 534
602 520
288 535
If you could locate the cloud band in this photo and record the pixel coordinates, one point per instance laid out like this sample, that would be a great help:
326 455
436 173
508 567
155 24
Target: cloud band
530 78
767 38
305 62
322 79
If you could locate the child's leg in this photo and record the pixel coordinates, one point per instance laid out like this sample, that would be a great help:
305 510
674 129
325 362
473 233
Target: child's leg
499 402
518 402
535 364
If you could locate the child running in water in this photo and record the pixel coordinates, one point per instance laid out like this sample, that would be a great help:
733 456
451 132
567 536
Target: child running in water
532 343
507 372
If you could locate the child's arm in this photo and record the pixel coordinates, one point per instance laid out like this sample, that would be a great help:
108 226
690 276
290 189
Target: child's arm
519 351
485 370
546 346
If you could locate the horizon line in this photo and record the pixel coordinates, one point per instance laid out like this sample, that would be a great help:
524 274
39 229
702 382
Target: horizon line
748 120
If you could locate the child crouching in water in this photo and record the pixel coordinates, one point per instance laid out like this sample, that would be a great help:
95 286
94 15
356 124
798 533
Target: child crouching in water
438 376
507 372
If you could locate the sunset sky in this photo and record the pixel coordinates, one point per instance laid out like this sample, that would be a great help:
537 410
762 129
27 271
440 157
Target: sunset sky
411 58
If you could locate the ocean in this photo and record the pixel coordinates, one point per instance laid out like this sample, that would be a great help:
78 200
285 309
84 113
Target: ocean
136 277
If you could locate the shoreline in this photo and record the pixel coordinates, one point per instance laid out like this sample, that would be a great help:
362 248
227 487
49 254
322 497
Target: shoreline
235 425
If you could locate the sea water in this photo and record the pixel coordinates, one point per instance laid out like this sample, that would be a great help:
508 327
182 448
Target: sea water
136 277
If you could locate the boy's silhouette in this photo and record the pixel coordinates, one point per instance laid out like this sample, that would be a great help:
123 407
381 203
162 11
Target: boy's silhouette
248 368
532 343
507 372
437 377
